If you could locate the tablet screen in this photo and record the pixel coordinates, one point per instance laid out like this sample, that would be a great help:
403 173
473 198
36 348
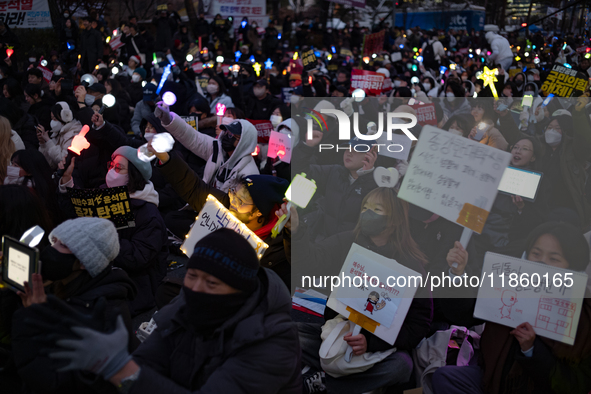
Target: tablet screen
520 182
18 266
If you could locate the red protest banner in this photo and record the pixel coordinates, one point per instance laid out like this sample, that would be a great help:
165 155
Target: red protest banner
197 67
369 81
373 43
115 43
264 128
425 114
47 73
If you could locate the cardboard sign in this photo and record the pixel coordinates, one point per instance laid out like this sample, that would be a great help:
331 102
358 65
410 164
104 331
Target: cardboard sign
564 82
551 304
280 146
47 73
110 203
286 94
309 60
115 42
214 216
514 71
383 308
454 177
425 114
191 121
264 129
369 81
197 67
373 43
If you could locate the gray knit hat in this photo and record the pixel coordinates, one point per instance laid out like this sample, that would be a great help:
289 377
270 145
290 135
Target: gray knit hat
93 241
145 168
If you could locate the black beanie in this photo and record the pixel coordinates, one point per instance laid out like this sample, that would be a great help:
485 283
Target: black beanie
229 257
266 191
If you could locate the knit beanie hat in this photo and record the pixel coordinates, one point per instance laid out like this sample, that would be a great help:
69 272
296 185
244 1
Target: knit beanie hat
131 154
141 71
266 191
94 241
229 257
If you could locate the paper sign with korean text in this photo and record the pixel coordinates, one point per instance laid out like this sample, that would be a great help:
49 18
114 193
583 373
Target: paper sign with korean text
264 128
47 73
191 121
369 81
280 146
197 67
373 43
214 216
454 177
397 148
309 60
564 82
425 114
380 309
518 291
116 43
25 14
111 203
286 94
346 52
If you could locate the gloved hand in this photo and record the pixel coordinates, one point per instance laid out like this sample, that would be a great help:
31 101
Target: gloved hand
347 106
97 352
402 166
162 112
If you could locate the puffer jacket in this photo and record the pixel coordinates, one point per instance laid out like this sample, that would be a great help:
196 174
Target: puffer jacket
56 148
256 351
219 170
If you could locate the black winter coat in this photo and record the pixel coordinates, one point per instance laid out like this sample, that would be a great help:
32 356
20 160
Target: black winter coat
41 112
255 352
261 109
116 287
91 47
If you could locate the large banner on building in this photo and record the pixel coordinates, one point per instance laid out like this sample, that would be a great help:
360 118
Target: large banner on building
255 10
350 3
25 14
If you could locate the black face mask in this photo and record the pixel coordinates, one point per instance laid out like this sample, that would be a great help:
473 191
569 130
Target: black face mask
228 143
207 312
56 265
373 224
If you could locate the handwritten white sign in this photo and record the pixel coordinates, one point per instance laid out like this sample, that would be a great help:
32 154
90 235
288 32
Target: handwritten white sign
280 146
454 177
214 216
385 304
548 298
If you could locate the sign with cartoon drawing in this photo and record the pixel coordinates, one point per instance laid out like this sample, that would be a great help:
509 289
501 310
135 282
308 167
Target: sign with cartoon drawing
375 293
516 291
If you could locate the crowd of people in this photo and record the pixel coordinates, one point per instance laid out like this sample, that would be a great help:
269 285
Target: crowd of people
228 325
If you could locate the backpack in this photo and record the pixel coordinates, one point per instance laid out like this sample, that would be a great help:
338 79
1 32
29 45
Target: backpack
429 57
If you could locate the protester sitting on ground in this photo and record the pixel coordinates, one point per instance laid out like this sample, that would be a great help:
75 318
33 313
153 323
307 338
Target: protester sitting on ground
63 129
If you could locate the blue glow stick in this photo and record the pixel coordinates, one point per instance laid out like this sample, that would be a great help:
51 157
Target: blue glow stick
165 75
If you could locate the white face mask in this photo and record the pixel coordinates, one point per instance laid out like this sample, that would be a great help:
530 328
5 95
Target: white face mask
530 78
149 136
32 60
427 86
115 179
56 125
89 99
212 89
397 83
450 97
136 77
552 137
12 175
276 120
226 120
57 72
294 99
259 92
528 93
274 74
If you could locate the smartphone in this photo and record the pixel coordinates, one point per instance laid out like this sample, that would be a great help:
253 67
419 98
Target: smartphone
480 130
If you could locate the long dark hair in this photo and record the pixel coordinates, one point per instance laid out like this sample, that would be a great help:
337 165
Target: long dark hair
136 181
398 223
21 209
220 84
14 89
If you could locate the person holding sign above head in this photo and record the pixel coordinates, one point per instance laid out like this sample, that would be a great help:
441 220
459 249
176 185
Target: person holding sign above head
383 228
519 361
143 250
77 269
253 199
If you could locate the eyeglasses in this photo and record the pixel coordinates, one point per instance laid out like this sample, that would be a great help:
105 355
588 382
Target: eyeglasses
520 149
235 200
117 167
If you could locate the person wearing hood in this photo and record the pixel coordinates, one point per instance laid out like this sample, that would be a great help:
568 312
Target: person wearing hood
455 102
143 246
228 157
78 270
63 129
144 107
276 166
519 80
501 50
229 331
253 199
40 105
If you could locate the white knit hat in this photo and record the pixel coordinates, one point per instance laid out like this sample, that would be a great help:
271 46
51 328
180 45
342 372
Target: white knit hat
93 241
